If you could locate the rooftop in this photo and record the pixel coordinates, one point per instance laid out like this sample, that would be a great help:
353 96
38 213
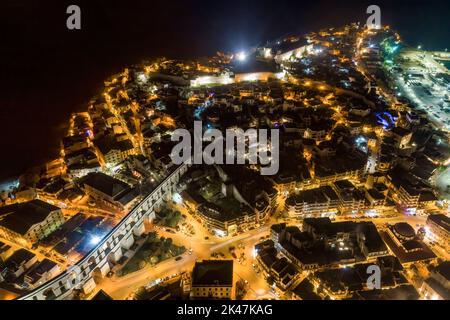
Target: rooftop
444 269
404 229
39 271
305 290
17 258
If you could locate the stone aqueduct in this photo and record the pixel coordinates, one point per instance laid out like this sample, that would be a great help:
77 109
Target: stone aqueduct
109 250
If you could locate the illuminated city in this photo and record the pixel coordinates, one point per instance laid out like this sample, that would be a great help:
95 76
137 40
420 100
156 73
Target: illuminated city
362 181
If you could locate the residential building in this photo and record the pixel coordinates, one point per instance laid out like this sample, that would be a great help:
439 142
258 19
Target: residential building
439 225
212 279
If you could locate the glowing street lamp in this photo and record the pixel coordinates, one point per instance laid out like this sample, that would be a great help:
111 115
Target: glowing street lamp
241 56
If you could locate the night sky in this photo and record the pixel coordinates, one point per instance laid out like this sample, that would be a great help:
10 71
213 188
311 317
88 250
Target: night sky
47 71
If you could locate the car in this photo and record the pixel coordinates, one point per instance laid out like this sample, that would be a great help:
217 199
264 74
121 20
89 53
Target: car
178 258
206 238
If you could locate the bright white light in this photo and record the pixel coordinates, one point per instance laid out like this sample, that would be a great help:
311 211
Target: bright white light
220 233
177 198
241 56
95 240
